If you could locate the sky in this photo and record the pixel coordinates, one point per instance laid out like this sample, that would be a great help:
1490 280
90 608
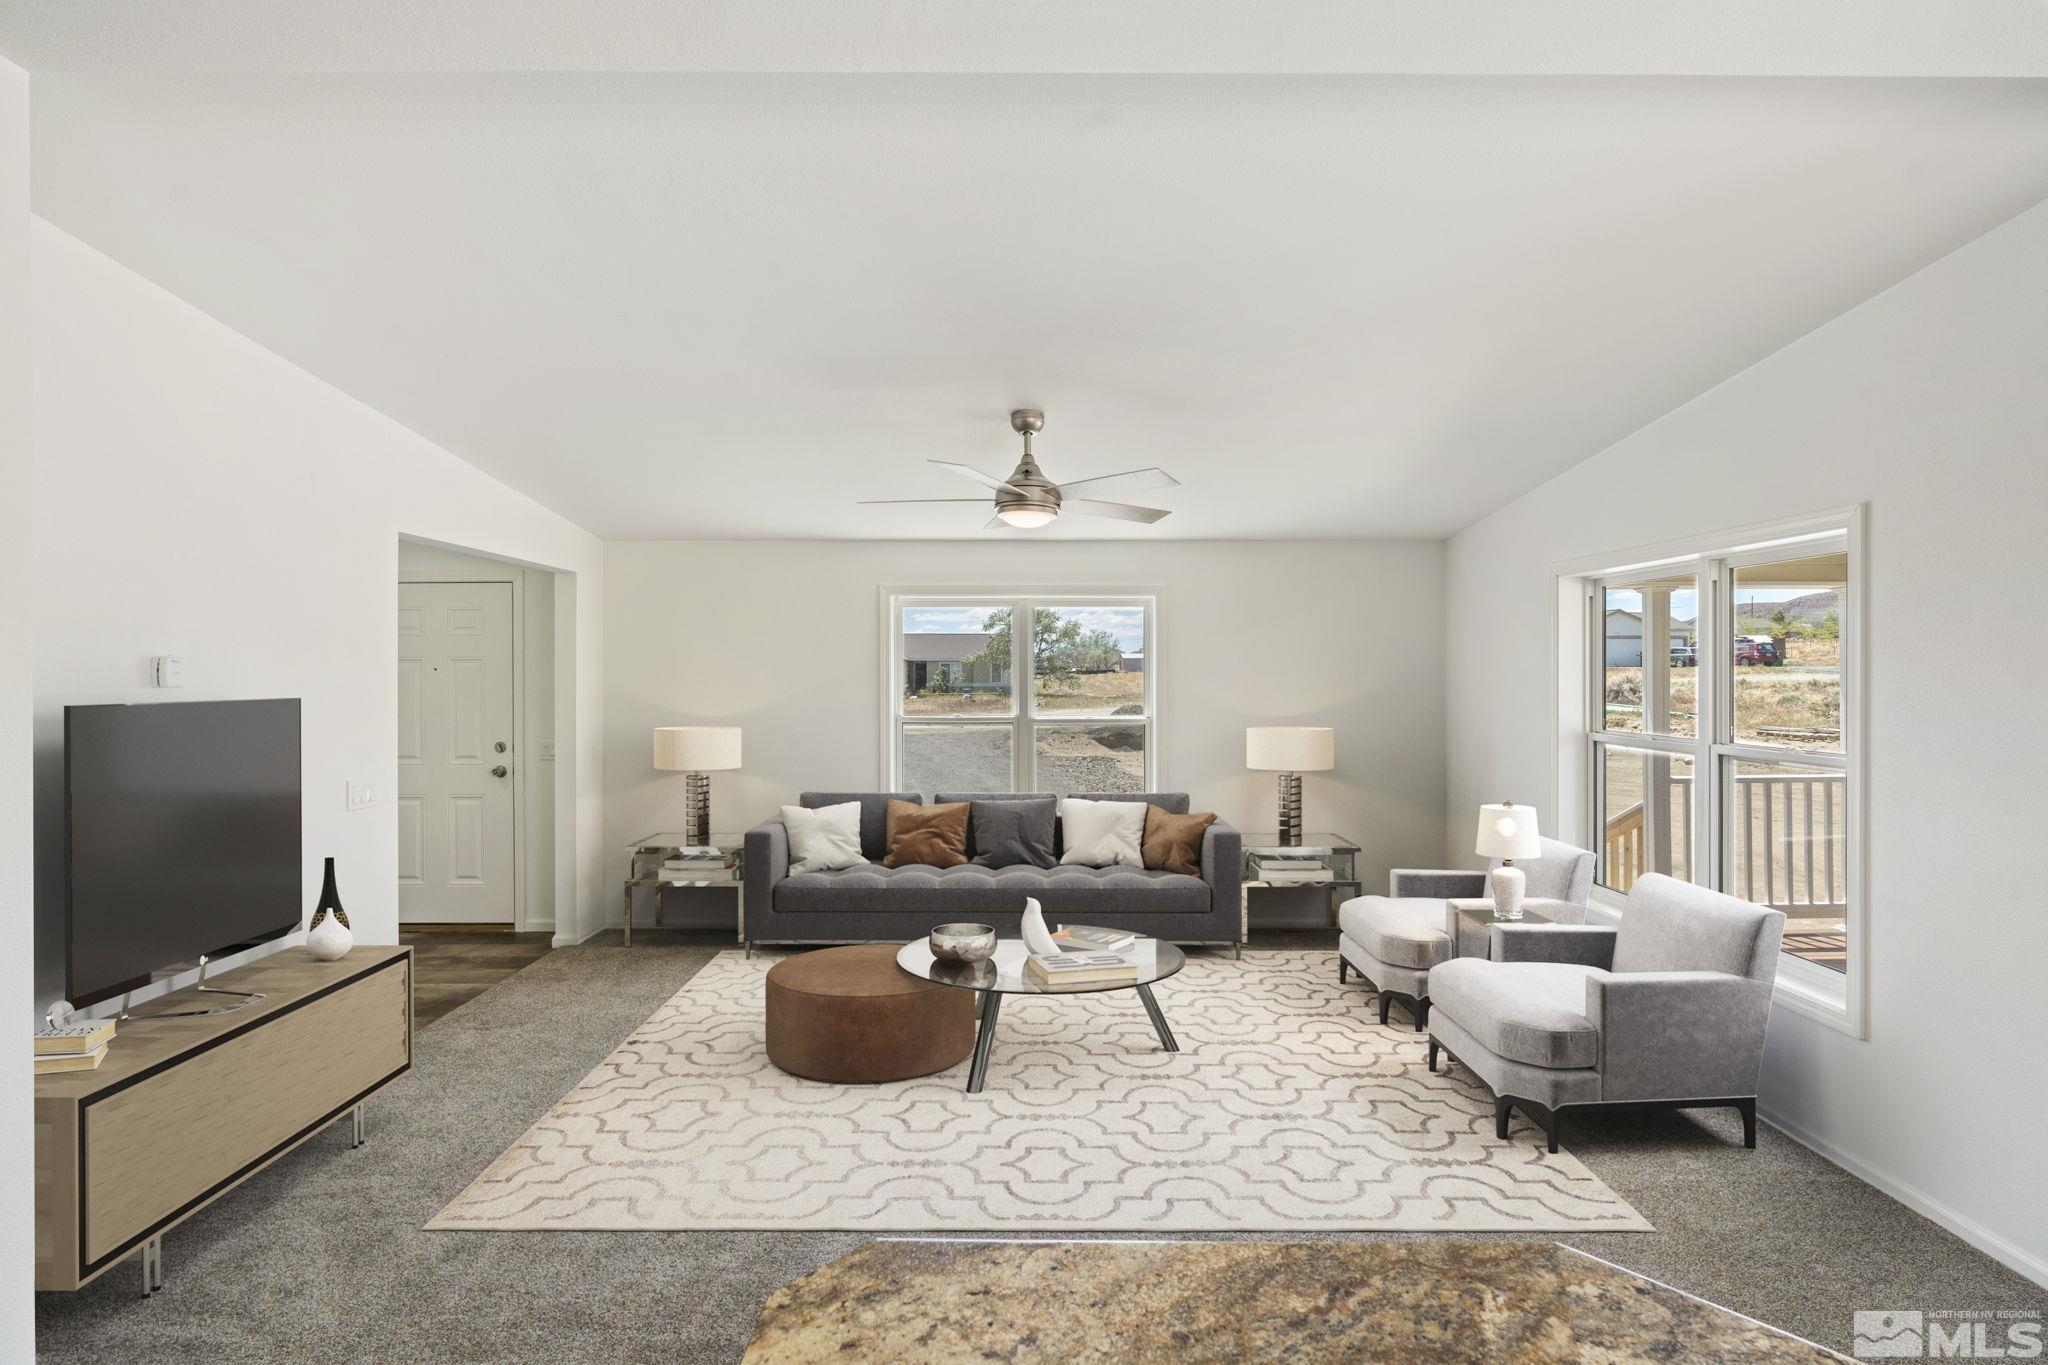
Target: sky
1126 623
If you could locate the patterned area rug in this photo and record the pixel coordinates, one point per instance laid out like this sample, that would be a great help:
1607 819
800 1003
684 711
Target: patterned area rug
1289 1107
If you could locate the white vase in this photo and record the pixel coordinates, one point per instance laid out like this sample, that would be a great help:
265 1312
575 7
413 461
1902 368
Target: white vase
330 939
1037 937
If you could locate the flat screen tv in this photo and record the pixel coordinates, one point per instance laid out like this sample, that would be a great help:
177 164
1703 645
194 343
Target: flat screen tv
181 834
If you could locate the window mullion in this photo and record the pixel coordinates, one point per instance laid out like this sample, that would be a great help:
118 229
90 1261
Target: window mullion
1024 685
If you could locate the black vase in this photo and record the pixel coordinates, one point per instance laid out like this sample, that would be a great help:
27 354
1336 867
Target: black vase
330 902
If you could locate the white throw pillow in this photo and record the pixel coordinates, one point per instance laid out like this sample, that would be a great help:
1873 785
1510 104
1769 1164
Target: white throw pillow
823 839
1102 833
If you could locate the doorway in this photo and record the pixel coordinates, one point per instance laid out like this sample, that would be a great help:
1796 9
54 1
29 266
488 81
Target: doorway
458 829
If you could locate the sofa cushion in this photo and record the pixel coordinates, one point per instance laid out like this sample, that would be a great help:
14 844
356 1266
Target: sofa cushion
970 890
1102 833
1529 1012
874 815
1173 843
933 836
1012 833
1173 803
823 838
1408 931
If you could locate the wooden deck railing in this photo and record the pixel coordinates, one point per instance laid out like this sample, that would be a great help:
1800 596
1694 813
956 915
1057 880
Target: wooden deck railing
1789 855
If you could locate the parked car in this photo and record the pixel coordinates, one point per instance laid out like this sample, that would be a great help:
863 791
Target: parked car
1761 650
1685 656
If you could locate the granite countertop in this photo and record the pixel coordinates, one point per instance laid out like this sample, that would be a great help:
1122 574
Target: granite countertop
1230 1301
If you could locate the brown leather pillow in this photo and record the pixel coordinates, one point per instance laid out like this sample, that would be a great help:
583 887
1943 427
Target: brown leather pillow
927 836
1173 843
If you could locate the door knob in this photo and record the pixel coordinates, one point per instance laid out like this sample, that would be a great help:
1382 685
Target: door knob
500 770
500 746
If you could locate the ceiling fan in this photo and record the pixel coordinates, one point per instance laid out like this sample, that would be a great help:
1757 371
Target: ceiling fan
1025 498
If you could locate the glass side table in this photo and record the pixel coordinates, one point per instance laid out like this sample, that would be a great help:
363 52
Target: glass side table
643 868
1337 850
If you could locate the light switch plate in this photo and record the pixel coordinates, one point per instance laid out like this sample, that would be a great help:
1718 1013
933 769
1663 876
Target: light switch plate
547 751
169 670
362 795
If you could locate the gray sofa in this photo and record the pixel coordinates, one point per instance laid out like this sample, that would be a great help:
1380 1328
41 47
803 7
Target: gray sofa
873 903
1668 1011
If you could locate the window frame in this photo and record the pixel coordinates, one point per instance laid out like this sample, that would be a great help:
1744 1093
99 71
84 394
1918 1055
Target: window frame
1023 722
1833 998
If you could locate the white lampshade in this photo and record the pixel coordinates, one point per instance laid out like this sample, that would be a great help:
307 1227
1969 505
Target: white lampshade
697 748
1290 748
1508 831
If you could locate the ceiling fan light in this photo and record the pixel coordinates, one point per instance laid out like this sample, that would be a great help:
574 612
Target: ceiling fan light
1026 517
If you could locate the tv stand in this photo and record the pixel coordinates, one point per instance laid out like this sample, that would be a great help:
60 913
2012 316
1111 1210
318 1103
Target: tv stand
190 1103
200 987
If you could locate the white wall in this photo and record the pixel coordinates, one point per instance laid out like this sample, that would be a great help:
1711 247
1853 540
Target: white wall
17 569
536 773
197 494
783 638
1929 402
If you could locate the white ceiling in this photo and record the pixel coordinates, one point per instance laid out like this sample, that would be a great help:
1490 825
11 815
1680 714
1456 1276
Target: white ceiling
731 304
1383 37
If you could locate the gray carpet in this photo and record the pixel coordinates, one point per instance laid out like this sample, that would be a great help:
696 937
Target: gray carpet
323 1258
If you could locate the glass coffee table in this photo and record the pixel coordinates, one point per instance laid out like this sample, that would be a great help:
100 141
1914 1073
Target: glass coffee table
1004 975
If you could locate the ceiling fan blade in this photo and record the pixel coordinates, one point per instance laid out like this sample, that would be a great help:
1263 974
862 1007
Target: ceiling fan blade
975 474
897 502
1130 481
1122 511
997 524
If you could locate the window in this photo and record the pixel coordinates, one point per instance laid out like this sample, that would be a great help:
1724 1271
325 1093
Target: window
995 692
1719 744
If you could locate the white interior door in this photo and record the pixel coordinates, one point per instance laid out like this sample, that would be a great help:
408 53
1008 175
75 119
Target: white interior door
457 843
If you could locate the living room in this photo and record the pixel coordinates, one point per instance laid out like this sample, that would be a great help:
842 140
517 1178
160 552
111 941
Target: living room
693 538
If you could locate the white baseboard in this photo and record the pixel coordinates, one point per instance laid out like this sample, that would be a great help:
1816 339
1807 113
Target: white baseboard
2000 1249
567 940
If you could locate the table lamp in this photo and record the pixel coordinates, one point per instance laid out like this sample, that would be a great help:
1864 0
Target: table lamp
1507 832
698 751
1290 750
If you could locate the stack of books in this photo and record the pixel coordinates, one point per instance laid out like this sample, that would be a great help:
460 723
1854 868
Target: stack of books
1281 869
700 865
73 1047
1080 969
1087 938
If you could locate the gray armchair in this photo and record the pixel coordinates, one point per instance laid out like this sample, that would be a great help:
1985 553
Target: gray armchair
1394 940
1668 1011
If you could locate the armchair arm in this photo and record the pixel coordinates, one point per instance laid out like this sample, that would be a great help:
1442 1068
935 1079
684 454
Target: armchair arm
1585 945
1678 1035
767 862
1223 869
1434 883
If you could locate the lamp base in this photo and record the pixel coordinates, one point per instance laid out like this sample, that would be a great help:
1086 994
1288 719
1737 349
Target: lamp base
697 808
1290 809
1509 882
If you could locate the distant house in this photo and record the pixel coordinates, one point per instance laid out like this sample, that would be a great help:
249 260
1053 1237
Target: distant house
1625 637
1133 663
947 662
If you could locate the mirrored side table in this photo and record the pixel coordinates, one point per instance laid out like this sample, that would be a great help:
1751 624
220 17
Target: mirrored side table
644 868
1336 851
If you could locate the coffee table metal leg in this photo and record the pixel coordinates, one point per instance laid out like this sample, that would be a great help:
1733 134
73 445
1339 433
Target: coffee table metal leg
984 1039
1158 1019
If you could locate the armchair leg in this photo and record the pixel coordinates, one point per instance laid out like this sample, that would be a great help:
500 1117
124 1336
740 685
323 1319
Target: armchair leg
1748 1109
1342 965
1422 1014
1386 1002
1432 1055
1502 1109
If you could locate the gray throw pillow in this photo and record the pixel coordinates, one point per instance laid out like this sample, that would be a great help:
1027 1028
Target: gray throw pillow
1014 833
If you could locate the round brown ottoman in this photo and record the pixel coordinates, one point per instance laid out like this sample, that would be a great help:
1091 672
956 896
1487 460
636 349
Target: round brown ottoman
853 1015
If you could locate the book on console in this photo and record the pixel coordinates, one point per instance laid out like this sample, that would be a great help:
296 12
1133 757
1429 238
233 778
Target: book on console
1089 938
50 1063
74 1039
